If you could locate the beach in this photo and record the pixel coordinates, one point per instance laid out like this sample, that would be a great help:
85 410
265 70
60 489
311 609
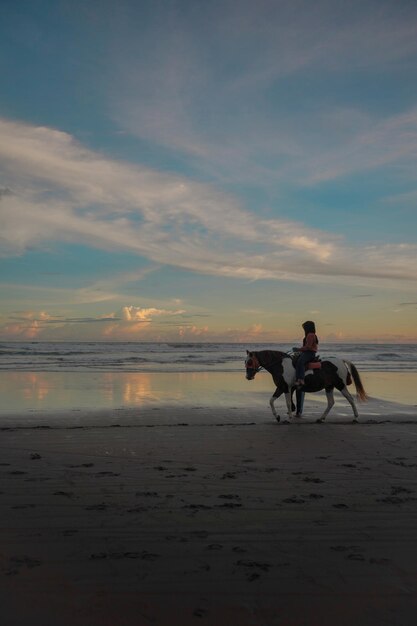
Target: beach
208 511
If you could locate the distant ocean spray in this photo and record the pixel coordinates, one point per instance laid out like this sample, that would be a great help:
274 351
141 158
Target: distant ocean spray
183 357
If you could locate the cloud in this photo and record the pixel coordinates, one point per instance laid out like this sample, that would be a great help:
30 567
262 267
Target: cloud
138 314
217 90
28 325
65 192
130 321
68 320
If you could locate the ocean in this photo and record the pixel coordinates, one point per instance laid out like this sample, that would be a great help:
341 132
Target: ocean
183 357
40 378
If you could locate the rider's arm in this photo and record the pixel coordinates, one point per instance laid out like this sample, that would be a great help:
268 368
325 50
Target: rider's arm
310 343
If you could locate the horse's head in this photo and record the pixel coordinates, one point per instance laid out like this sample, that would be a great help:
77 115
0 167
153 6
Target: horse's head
252 365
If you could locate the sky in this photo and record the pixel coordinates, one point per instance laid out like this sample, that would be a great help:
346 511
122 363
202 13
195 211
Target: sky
208 171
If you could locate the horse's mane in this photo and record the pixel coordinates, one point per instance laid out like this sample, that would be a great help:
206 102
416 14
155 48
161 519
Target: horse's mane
270 357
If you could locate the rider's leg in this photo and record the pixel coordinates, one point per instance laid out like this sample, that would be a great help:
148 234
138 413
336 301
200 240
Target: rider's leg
303 359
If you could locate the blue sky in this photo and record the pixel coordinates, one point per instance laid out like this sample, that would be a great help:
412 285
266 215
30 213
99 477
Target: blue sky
208 171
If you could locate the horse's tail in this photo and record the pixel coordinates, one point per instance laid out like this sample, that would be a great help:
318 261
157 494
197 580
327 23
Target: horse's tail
361 393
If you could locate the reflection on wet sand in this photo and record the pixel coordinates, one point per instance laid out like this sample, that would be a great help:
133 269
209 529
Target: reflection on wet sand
393 386
36 387
47 391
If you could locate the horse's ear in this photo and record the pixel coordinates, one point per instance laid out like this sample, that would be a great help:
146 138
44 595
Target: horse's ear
247 352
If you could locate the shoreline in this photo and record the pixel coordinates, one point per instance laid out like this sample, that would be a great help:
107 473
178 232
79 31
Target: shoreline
37 393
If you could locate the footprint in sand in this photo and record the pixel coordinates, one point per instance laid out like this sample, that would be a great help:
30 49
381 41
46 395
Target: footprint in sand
177 538
355 556
26 560
229 496
196 506
257 566
138 509
24 506
228 475
67 494
97 507
396 490
228 505
215 546
107 474
144 555
81 465
199 612
342 548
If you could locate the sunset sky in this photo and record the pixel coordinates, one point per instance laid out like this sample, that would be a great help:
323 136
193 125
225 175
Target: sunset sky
208 171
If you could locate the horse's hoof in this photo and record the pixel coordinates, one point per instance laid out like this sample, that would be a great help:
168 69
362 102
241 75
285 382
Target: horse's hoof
277 417
355 421
320 421
286 422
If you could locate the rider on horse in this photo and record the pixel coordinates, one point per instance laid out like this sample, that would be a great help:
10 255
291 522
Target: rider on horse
308 351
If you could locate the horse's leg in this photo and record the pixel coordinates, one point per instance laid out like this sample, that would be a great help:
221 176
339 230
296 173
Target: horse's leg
272 401
351 401
288 399
330 403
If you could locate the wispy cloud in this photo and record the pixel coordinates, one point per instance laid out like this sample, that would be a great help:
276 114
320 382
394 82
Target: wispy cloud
214 89
65 192
130 321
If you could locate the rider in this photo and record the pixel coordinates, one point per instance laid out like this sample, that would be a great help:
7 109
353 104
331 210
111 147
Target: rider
308 351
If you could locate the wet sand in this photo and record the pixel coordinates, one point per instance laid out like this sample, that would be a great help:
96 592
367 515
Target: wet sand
212 516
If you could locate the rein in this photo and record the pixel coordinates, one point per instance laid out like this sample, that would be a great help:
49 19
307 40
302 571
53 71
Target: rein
256 365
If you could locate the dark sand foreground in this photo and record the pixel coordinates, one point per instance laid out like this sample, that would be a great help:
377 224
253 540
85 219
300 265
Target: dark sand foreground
212 517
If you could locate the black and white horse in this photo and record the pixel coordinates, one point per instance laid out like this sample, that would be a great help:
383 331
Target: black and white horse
331 373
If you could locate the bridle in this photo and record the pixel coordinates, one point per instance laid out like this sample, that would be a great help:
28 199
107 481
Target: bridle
251 362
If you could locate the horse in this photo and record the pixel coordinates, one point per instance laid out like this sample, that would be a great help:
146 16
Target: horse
328 374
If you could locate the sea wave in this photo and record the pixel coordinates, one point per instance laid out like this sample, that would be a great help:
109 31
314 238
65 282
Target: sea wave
187 357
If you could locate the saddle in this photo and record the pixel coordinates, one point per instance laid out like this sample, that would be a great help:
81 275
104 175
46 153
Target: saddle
315 364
